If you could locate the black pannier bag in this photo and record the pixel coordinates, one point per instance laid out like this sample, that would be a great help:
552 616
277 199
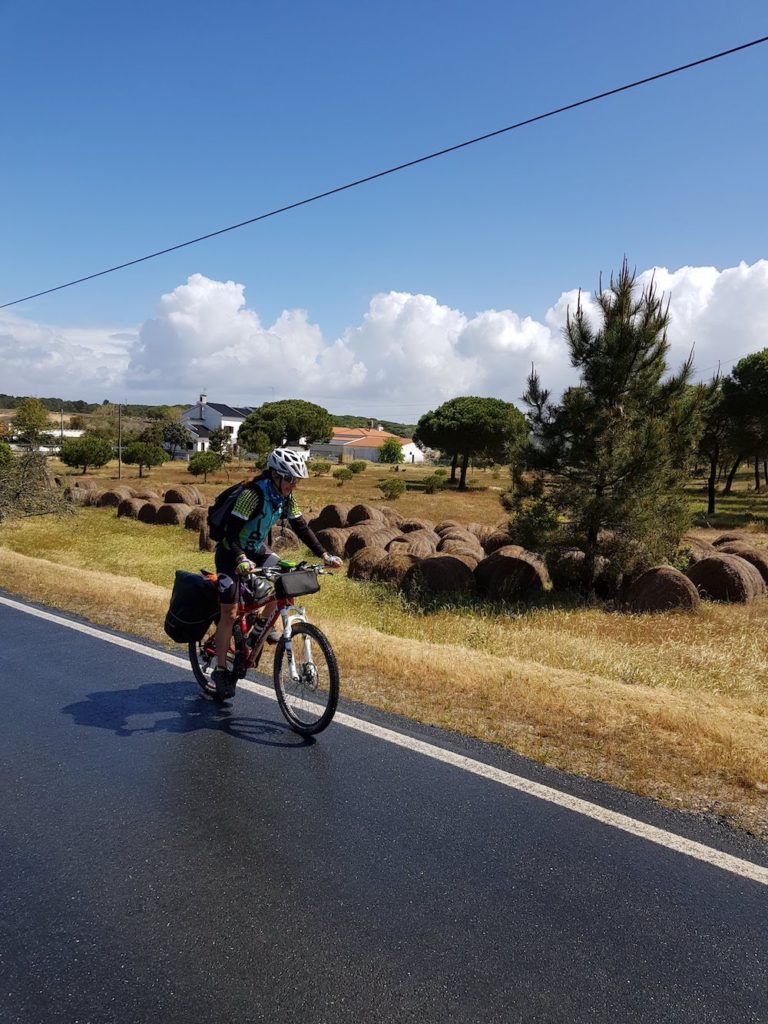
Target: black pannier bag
194 605
294 584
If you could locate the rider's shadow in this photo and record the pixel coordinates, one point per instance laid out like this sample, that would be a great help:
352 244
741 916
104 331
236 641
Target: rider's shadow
171 708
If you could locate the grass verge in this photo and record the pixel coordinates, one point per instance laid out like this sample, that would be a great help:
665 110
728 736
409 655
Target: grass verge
672 707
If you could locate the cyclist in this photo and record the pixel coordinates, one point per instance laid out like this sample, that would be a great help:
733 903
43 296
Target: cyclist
268 498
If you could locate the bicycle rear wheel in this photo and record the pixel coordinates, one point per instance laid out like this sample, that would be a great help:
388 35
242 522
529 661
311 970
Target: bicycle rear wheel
309 702
202 658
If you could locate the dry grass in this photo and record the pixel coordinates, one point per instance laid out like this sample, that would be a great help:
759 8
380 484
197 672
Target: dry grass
317 492
674 707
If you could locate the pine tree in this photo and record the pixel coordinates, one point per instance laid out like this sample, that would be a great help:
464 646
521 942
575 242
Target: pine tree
612 457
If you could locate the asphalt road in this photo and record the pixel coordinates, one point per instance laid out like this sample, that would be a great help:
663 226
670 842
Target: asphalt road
164 859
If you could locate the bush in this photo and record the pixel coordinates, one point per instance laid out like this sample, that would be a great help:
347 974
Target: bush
342 474
203 463
535 523
392 489
433 483
357 467
319 467
5 453
441 471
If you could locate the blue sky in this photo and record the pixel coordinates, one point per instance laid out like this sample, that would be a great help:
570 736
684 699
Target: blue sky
127 128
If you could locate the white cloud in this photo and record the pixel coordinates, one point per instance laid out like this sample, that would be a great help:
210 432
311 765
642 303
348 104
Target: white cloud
408 354
65 362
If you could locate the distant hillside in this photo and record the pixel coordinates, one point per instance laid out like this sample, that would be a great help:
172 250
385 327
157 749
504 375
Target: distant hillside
59 404
401 429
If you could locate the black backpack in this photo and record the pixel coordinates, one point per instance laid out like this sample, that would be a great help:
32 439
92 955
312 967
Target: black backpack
218 513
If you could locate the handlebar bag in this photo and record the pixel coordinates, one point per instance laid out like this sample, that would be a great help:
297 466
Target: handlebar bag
194 605
294 584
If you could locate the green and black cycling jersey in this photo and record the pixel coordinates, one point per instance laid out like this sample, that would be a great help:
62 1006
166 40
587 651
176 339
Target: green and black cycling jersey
258 508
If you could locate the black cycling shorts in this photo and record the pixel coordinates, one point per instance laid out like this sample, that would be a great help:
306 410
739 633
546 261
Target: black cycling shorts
226 565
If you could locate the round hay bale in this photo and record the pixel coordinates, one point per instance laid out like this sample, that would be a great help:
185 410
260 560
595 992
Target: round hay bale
566 569
411 525
399 542
438 575
497 539
333 540
662 589
511 574
481 531
449 524
196 517
394 567
726 578
694 549
727 538
363 562
458 547
130 507
754 555
148 496
183 494
148 511
113 497
469 540
367 537
392 516
86 485
358 513
204 541
172 514
285 541
419 544
330 517
86 496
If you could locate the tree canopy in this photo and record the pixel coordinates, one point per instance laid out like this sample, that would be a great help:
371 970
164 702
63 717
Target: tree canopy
85 451
614 453
470 426
391 452
30 421
287 422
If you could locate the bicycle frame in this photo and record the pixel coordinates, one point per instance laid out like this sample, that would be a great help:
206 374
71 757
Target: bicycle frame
285 610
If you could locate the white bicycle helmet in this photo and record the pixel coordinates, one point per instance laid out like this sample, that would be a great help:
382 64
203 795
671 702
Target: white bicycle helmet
287 462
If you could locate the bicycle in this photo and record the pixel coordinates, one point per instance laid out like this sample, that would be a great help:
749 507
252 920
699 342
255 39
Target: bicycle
306 683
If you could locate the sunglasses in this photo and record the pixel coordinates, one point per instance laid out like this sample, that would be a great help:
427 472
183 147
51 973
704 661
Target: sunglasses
288 479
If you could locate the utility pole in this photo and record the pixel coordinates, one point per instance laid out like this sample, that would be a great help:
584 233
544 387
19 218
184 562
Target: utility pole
119 441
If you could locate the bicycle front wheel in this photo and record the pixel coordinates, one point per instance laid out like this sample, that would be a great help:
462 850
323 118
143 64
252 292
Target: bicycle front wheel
309 700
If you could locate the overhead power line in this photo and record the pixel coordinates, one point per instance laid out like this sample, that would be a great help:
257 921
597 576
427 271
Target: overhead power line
398 167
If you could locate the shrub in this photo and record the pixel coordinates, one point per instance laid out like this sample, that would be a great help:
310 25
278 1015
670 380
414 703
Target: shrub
535 523
357 467
441 471
342 474
319 467
433 483
203 463
5 453
392 489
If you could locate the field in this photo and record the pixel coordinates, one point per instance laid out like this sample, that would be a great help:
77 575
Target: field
674 707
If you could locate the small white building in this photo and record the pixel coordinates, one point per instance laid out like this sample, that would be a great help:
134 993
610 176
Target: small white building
206 416
350 443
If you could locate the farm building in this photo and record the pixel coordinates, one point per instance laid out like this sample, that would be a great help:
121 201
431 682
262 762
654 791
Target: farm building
351 443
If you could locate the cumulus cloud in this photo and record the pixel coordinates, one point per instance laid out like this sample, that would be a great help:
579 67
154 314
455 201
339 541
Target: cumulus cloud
66 362
408 353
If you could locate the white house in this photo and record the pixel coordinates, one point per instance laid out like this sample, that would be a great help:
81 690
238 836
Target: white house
206 416
350 443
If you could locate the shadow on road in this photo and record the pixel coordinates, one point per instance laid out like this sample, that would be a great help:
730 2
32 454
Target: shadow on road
175 708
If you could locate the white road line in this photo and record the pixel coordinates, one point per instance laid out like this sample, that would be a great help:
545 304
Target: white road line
725 861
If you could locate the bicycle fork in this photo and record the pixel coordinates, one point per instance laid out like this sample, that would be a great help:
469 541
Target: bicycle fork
290 615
